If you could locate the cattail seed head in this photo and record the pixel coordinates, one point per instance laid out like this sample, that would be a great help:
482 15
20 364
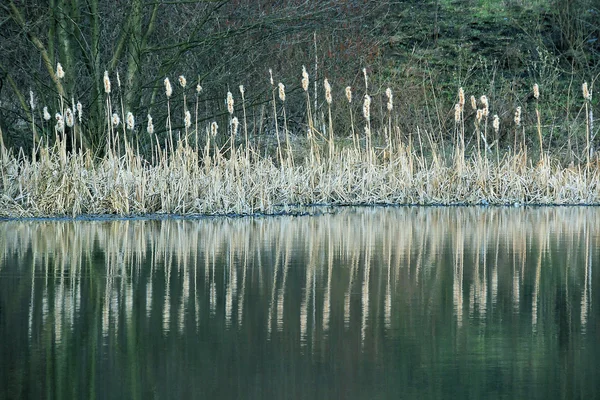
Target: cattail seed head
587 95
187 119
364 70
79 111
69 117
473 103
198 89
242 90
60 124
150 127
106 83
304 79
229 103
479 115
327 87
271 77
214 128
457 112
461 98
118 79
168 88
31 100
390 96
60 72
130 121
47 115
281 87
536 91
234 125
486 105
349 94
367 107
496 123
182 81
518 116
115 119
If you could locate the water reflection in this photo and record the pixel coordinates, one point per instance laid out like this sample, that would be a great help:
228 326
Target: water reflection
398 289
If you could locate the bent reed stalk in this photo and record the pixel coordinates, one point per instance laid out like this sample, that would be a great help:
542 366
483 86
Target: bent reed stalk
186 178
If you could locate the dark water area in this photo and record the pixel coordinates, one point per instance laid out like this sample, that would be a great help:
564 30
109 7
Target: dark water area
424 303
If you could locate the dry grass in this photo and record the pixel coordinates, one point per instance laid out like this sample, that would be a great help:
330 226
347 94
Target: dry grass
218 174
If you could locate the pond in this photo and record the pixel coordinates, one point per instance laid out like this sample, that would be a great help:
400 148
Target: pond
428 303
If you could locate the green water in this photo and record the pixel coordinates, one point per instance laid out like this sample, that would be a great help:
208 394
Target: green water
415 303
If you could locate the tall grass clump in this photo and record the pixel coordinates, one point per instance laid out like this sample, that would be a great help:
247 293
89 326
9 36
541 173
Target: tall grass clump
221 174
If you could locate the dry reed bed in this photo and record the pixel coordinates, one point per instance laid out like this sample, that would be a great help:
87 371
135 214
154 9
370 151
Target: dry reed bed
58 183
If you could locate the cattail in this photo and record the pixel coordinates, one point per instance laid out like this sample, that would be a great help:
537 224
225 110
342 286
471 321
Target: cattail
281 91
130 121
60 73
327 87
304 79
187 119
182 81
31 100
486 105
496 123
115 119
118 80
271 77
473 103
60 124
168 88
461 98
349 94
150 127
242 91
479 115
536 91
367 107
587 95
69 117
390 104
518 116
457 112
234 125
106 83
79 111
213 128
229 102
364 70
198 89
47 115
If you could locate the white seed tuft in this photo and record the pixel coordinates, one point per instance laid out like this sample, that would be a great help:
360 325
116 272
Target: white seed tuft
168 88
106 83
130 121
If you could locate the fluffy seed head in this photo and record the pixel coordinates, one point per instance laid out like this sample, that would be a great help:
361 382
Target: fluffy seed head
47 115
518 116
457 112
486 105
60 72
214 128
229 103
31 100
79 111
242 91
115 119
390 96
271 77
327 87
349 94
118 79
234 125
106 83
60 123
304 79
461 98
187 119
479 115
536 91
281 87
367 107
130 121
364 70
473 103
150 127
198 89
69 117
587 95
496 123
182 81
168 88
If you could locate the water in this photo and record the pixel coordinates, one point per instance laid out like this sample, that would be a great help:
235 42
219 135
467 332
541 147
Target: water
424 303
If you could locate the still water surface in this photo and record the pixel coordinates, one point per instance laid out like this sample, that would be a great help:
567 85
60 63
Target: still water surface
411 303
